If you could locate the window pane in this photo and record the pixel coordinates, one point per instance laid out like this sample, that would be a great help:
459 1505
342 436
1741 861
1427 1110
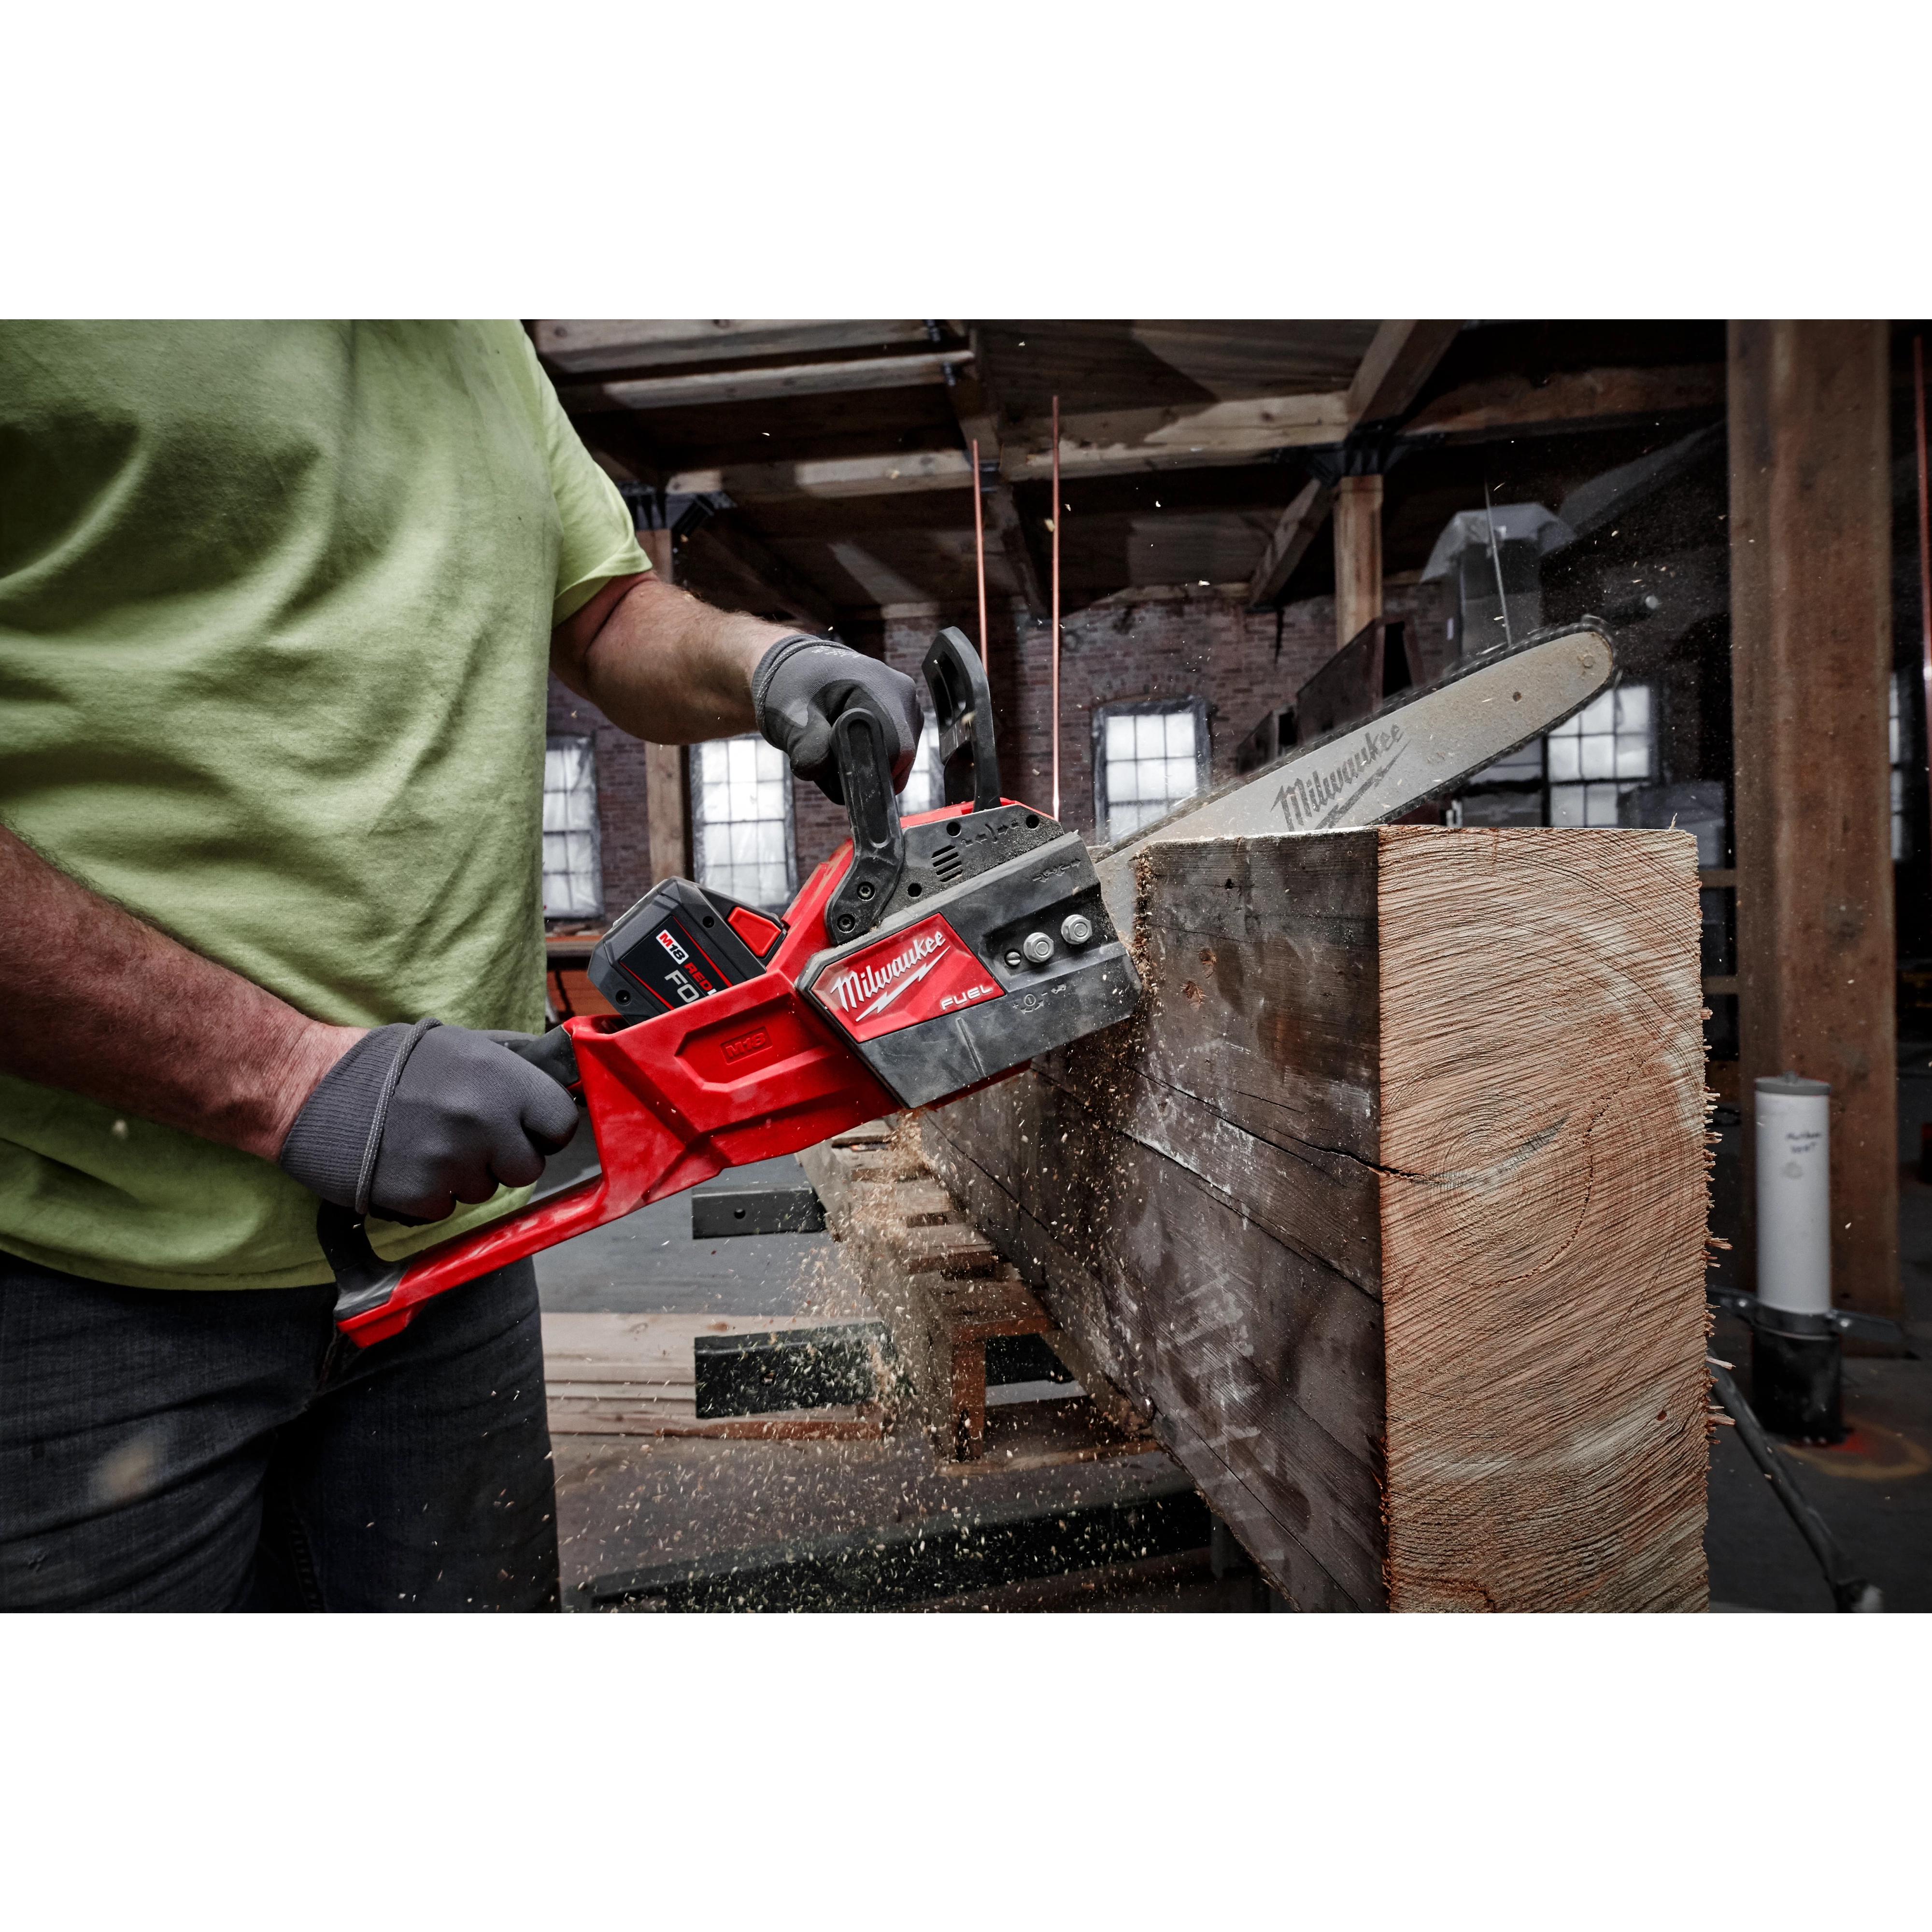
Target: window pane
1633 758
1599 715
1566 804
1180 734
742 754
713 761
1149 735
1124 781
1180 778
1566 759
1120 737
1633 708
1599 756
1601 806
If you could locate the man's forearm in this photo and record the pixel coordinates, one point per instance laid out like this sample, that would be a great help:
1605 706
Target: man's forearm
93 1000
662 665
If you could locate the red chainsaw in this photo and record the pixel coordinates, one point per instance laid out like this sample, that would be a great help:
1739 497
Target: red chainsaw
925 959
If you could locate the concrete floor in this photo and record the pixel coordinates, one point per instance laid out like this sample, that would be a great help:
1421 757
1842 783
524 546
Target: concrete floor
633 1501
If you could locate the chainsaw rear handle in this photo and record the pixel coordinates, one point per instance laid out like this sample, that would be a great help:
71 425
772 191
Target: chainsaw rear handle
962 707
878 843
363 1279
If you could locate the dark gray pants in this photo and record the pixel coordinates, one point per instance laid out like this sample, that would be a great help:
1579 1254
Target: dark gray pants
180 1450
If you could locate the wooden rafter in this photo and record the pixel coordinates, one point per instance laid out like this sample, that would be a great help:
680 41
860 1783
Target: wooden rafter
1587 398
703 388
578 348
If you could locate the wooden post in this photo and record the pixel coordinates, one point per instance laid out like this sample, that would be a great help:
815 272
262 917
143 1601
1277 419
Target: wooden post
1811 516
1406 1266
667 804
1358 556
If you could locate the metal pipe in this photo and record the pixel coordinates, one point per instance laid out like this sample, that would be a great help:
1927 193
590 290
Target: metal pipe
1054 526
1848 1592
1496 559
1924 550
979 547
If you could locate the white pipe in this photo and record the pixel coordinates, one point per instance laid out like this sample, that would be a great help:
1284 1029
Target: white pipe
1794 1194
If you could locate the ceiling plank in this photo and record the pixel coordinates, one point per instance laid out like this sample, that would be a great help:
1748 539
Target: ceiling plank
577 348
1300 524
1400 359
830 478
705 387
1171 438
1513 405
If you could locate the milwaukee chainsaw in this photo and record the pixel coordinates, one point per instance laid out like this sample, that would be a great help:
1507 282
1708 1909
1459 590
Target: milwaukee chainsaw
923 959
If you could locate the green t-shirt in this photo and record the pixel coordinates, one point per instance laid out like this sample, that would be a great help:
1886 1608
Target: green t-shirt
275 608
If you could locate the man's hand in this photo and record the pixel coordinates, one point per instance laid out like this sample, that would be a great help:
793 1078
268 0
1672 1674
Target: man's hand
412 1119
803 684
661 665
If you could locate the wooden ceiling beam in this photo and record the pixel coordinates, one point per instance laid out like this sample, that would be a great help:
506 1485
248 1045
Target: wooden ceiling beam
1581 399
577 348
724 540
899 472
1300 524
1400 359
982 420
706 388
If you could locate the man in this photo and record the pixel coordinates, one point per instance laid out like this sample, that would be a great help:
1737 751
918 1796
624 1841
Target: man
277 604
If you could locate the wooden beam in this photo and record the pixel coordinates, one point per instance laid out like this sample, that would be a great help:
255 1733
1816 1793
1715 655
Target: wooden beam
1400 359
578 347
1300 522
829 479
1111 442
1581 399
1358 556
977 409
724 548
1810 511
706 388
1411 1281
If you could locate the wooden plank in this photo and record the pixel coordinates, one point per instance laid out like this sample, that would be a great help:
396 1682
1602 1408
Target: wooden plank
1811 652
831 479
1300 524
707 388
1580 399
1109 442
577 347
1424 1323
1396 364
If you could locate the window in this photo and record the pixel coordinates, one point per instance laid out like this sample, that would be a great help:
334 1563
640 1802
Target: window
1147 757
741 828
1900 839
573 868
1607 749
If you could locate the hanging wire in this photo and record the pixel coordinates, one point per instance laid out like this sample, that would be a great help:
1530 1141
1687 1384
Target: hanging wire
1055 527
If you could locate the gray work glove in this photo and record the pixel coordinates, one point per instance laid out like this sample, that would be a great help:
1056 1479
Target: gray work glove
413 1119
803 684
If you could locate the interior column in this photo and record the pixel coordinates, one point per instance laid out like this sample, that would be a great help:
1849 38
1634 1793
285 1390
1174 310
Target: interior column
1810 522
1358 555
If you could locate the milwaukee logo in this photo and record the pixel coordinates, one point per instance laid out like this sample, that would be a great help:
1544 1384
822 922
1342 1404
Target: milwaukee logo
917 974
882 983
1309 802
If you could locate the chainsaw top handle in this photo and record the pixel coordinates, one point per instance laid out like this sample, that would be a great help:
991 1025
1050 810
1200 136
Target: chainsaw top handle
962 706
962 703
